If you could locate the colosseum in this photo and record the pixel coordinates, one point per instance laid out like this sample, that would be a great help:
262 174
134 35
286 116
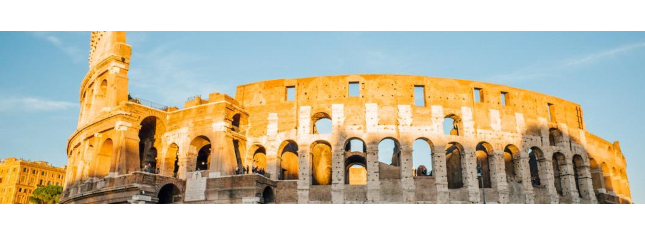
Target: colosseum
487 143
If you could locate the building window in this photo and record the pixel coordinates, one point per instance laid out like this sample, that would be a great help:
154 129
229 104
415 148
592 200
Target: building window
42 173
551 112
0 180
24 169
419 95
291 93
478 95
504 98
20 190
33 171
354 89
41 182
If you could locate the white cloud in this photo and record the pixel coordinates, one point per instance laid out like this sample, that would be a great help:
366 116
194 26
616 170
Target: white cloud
75 53
32 104
552 70
603 54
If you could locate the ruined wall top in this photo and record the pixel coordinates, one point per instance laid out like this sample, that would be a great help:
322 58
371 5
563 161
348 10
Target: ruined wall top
107 43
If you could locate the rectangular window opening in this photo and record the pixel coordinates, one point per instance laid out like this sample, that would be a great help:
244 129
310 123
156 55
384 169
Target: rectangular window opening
478 95
291 93
419 96
504 98
551 112
354 89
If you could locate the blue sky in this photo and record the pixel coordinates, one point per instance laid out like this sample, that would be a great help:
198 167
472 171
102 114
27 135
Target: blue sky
603 71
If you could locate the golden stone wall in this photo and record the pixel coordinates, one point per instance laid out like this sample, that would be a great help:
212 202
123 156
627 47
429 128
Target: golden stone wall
262 128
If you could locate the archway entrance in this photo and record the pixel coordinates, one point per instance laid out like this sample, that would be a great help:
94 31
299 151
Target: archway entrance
168 194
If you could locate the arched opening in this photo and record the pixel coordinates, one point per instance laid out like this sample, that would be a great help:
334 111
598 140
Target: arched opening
555 137
260 160
104 159
454 156
168 194
511 154
615 181
609 187
451 124
321 156
596 175
288 153
535 155
172 160
321 123
151 127
389 152
422 157
558 162
624 185
200 147
355 145
356 170
578 171
235 124
483 153
267 196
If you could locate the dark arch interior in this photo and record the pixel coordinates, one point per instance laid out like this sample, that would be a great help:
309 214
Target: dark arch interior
202 158
147 152
267 196
534 155
453 167
168 194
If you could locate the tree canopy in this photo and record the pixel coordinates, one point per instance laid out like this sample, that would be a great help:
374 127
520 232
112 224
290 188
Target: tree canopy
49 194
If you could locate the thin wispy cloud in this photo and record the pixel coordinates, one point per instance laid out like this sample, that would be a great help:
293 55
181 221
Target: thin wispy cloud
75 53
555 69
604 54
33 104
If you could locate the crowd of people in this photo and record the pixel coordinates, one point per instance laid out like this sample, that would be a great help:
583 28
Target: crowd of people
254 170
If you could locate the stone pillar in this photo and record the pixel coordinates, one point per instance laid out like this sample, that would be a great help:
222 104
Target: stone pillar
373 181
127 148
596 175
440 176
586 184
524 171
407 179
547 176
568 180
304 171
338 176
498 177
469 174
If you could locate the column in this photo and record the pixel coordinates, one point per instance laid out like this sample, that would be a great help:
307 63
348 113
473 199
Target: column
373 182
440 176
304 173
407 179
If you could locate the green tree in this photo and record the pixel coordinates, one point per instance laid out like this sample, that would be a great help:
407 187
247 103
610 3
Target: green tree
49 194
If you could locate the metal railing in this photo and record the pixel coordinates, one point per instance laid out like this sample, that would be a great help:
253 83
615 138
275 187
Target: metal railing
148 103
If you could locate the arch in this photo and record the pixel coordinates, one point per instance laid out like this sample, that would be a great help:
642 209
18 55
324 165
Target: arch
596 174
151 127
511 154
235 123
454 155
558 162
200 147
389 151
483 153
615 181
609 187
451 125
267 195
356 170
168 194
103 88
578 171
321 160
555 137
422 155
288 155
259 159
535 155
321 123
355 144
172 160
104 159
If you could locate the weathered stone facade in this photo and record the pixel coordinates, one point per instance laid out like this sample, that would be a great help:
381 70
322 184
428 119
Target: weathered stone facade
531 148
